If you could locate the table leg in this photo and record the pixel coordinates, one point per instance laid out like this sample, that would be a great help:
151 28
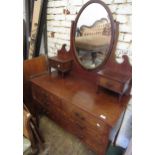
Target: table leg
93 55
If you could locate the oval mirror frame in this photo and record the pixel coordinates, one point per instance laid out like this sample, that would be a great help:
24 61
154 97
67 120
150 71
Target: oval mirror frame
112 33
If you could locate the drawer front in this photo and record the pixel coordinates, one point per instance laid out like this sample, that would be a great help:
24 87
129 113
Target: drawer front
39 95
82 131
90 121
111 84
80 121
55 64
67 65
93 139
86 127
85 124
59 116
53 100
63 66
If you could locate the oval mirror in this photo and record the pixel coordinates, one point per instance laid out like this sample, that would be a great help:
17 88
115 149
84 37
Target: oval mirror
93 35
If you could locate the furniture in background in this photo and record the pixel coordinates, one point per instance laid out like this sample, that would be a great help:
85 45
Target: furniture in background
98 31
31 69
31 133
28 141
72 102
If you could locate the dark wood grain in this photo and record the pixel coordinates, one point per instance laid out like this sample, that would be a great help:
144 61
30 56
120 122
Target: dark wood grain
32 68
73 104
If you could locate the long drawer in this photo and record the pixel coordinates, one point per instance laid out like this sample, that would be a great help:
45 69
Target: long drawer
83 117
92 138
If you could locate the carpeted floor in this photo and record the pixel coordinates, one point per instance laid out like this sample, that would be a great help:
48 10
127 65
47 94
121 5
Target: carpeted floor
60 142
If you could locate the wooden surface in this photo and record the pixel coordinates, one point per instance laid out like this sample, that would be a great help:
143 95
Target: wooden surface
62 65
62 62
26 128
30 129
73 104
83 94
32 68
114 81
35 66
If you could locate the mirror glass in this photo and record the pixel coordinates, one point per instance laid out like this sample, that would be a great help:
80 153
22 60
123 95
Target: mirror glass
93 36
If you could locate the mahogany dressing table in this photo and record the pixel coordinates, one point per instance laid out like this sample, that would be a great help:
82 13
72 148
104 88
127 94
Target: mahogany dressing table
72 101
74 105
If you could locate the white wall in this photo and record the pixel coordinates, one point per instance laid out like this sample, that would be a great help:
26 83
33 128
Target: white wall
88 18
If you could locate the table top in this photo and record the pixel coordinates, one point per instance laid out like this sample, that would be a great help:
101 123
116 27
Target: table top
114 75
82 93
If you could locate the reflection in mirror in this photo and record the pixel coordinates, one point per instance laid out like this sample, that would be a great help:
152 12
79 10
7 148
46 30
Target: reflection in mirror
93 35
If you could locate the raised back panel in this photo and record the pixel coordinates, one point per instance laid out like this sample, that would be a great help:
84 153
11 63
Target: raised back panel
32 67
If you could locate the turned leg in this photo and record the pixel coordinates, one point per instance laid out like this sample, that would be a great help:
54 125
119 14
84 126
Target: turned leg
93 55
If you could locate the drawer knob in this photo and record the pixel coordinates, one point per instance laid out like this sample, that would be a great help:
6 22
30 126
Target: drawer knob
78 115
82 118
98 125
108 84
58 65
103 117
81 136
80 127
